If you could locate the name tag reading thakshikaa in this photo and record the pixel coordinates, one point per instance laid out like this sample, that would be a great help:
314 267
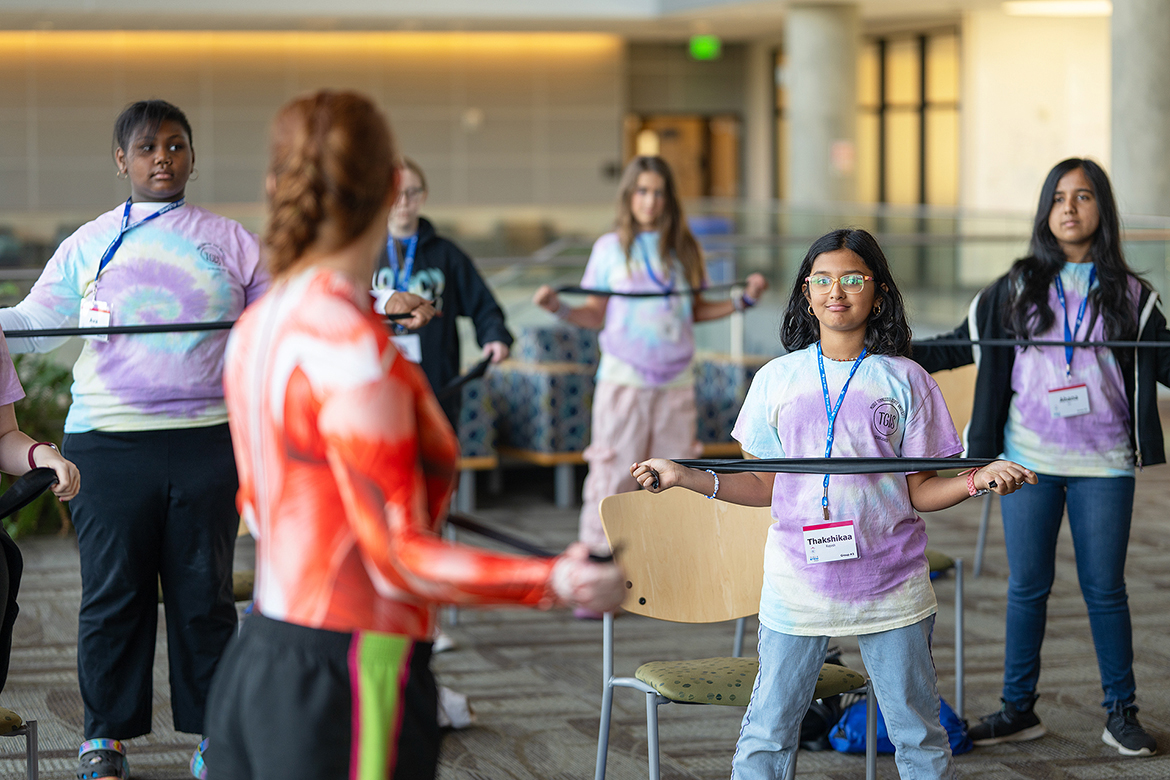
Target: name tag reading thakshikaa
830 542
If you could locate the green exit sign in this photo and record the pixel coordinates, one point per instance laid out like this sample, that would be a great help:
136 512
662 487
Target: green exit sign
706 47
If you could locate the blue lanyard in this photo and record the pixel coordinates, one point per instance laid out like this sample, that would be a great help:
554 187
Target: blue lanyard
127 227
832 414
1069 334
407 264
666 286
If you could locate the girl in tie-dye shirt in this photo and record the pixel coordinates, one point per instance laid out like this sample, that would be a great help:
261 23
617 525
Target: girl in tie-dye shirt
644 402
147 427
846 554
1083 417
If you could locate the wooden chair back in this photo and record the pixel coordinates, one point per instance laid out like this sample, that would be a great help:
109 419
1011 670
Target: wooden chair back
687 558
958 389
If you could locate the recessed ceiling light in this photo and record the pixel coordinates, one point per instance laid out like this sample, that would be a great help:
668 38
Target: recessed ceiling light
1058 7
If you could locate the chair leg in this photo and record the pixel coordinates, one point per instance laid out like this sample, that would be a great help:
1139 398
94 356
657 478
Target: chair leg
652 734
737 645
870 732
981 543
603 731
565 480
32 757
960 660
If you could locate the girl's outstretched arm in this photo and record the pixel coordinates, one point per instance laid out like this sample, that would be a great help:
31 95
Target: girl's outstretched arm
15 451
703 310
590 315
747 488
929 492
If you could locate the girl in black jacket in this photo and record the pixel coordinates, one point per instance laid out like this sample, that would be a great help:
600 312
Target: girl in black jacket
1082 418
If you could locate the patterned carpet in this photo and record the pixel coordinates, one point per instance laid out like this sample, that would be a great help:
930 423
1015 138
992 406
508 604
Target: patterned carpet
534 678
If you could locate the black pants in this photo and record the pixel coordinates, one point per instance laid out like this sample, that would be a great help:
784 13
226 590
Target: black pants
11 565
292 703
154 505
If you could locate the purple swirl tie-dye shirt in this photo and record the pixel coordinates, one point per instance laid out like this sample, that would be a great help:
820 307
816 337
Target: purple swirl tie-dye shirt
892 409
652 337
188 265
1091 445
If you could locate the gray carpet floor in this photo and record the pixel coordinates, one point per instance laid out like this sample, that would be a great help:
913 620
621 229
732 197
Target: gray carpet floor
534 677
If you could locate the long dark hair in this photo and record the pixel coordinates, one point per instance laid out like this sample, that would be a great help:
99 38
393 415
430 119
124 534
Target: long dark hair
1028 312
886 333
674 235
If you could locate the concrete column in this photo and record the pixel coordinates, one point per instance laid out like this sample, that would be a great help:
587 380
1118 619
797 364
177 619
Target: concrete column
1141 106
759 136
820 45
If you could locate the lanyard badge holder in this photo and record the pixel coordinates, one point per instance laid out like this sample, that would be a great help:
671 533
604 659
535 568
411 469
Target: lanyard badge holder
410 345
1072 400
95 313
831 541
672 329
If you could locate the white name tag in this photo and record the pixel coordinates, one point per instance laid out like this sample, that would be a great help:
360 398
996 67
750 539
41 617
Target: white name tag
94 314
830 542
410 346
1069 401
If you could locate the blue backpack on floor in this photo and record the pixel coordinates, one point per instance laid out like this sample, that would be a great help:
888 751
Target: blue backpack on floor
848 736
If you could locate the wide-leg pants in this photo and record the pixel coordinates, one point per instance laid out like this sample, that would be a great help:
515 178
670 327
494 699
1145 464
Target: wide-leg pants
155 506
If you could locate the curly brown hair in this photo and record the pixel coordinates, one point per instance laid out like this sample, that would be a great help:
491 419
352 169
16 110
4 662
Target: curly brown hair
333 160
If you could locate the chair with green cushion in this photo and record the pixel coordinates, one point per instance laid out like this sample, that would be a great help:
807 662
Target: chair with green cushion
689 559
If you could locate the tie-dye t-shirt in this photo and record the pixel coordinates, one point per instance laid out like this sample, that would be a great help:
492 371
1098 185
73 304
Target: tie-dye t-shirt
188 265
646 342
346 465
1096 444
891 409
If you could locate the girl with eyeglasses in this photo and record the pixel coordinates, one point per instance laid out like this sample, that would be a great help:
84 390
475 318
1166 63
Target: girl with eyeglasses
644 402
1083 418
846 555
418 260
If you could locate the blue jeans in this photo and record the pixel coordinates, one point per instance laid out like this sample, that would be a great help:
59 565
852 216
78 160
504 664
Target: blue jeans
1099 514
904 681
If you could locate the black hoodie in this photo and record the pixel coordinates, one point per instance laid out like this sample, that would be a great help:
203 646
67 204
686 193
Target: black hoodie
445 275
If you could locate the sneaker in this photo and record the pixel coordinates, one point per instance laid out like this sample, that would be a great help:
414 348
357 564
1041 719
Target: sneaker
1007 725
1123 732
443 642
198 761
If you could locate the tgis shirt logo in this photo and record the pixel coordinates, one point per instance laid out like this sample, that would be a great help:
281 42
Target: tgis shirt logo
886 417
212 254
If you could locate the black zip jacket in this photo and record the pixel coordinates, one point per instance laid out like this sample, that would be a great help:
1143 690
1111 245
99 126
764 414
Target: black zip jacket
444 274
1142 367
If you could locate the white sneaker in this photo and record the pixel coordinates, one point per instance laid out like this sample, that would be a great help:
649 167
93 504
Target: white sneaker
454 709
443 642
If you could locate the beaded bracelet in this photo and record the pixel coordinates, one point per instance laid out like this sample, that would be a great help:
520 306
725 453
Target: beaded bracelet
714 492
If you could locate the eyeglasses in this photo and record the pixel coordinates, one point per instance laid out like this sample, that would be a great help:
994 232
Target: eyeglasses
414 193
850 283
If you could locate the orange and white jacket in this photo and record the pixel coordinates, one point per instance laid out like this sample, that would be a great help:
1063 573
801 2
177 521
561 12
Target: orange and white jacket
346 466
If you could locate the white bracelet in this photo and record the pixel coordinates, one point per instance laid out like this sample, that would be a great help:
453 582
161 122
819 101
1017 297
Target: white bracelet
562 312
714 492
